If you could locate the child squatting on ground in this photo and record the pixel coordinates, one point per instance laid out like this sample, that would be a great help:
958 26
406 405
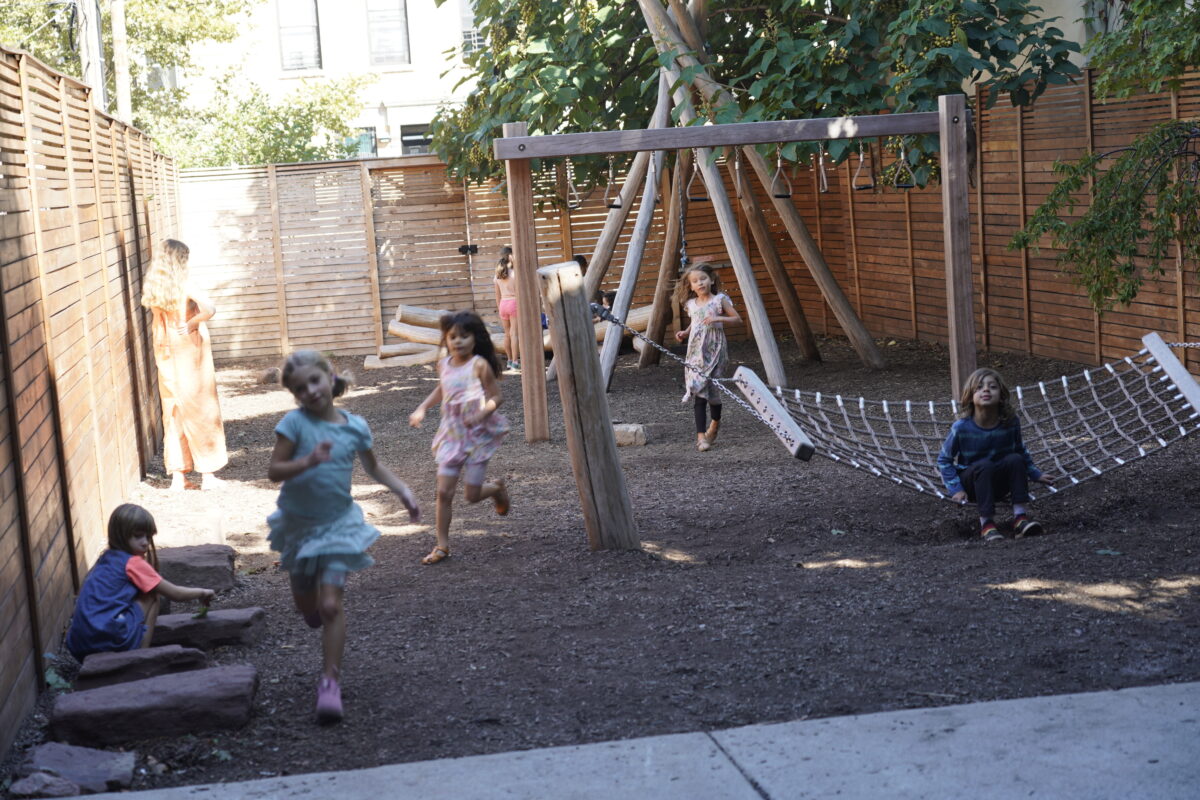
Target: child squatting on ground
984 459
505 283
317 527
471 429
699 291
118 604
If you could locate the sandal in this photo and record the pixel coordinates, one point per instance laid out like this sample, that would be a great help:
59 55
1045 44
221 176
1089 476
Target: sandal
501 499
438 553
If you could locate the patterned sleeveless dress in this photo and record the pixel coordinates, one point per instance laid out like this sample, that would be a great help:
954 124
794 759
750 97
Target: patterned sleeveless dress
456 443
707 350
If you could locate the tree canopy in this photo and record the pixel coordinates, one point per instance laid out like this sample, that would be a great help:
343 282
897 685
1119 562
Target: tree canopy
581 65
1145 197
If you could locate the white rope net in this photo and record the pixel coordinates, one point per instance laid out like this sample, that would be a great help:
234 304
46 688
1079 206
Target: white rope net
1075 428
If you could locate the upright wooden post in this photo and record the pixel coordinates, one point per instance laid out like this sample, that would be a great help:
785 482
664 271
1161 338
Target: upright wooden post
603 495
285 344
529 320
372 252
956 233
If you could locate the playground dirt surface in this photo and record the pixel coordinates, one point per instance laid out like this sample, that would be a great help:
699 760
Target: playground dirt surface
766 589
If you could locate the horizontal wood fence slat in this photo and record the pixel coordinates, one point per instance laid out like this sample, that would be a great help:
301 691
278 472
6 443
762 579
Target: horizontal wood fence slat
81 197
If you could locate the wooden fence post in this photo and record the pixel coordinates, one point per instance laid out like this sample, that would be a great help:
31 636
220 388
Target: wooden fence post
277 253
956 235
603 495
368 207
524 243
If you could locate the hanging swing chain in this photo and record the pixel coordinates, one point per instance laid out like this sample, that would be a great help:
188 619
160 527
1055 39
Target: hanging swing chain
683 254
607 315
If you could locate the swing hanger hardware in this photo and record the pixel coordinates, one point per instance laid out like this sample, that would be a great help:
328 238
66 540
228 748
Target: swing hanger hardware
870 182
781 187
691 195
609 200
574 200
904 177
822 179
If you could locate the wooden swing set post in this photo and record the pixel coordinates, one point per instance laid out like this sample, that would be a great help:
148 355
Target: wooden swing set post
668 267
956 234
637 242
603 494
529 320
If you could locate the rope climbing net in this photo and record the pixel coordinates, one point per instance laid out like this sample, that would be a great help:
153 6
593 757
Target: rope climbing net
1076 427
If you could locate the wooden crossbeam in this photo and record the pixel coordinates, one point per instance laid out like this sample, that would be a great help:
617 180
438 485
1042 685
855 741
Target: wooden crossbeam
736 133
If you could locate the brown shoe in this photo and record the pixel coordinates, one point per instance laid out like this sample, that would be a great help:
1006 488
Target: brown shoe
711 433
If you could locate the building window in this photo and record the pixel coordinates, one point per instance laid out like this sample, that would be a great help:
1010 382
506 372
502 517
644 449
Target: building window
367 144
472 39
299 34
387 31
414 139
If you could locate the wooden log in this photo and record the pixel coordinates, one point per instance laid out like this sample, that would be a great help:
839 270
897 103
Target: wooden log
668 39
668 267
402 349
603 495
637 242
956 231
524 243
426 356
417 315
415 333
756 311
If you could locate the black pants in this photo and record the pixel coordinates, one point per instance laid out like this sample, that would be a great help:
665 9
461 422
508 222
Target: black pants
989 481
702 414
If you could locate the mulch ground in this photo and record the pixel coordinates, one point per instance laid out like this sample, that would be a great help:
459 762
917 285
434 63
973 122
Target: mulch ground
766 589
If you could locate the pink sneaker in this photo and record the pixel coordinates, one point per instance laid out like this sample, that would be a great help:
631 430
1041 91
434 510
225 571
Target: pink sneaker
329 701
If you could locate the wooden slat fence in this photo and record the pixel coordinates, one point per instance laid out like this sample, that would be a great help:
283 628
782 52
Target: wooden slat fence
81 198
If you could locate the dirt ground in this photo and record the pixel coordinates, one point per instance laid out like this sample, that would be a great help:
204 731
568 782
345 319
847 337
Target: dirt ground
767 589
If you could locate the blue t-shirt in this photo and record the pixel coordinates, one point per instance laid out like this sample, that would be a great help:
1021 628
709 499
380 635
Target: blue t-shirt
107 617
322 492
967 443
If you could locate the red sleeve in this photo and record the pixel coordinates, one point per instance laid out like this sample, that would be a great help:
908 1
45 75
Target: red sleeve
141 574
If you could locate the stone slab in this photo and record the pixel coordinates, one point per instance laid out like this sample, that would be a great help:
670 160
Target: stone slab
165 705
209 566
222 626
104 669
89 769
629 434
43 784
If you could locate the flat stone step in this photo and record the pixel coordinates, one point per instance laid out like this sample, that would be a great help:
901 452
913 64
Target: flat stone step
165 705
222 626
91 770
208 566
105 669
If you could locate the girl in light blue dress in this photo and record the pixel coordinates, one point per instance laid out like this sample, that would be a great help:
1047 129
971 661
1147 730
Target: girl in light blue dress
317 527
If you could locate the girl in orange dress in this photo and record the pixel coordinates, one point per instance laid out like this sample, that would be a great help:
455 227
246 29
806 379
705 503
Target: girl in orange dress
193 434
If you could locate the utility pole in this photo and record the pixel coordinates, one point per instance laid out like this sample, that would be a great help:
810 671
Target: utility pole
116 10
91 51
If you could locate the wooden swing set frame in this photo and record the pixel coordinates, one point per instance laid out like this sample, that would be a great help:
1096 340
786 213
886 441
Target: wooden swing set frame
566 291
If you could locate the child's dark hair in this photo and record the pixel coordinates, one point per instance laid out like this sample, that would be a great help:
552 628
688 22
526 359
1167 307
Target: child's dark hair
581 261
312 358
128 520
683 288
504 265
472 323
966 400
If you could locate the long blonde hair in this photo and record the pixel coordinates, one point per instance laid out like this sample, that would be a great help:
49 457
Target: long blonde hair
168 275
966 400
683 287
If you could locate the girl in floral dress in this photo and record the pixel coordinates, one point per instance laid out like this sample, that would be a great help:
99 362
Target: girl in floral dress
470 429
699 290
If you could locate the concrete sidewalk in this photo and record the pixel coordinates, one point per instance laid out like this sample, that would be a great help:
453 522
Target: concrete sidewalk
1132 743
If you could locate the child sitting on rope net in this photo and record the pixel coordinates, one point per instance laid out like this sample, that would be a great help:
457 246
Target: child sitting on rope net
984 458
699 291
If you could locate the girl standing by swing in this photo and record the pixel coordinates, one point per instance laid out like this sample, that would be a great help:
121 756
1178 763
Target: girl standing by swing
699 291
505 284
